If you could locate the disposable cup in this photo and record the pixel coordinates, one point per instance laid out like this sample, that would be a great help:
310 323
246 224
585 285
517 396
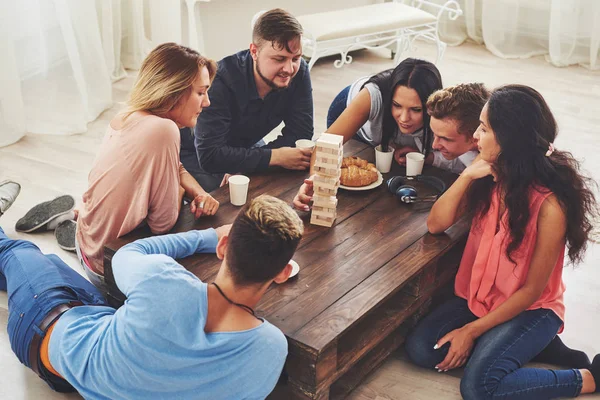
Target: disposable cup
238 189
383 160
414 163
305 144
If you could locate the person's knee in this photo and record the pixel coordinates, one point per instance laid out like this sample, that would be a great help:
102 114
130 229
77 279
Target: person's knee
420 350
17 244
330 118
477 385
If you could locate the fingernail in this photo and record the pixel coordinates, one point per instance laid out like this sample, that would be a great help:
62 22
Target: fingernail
445 370
439 370
436 367
436 347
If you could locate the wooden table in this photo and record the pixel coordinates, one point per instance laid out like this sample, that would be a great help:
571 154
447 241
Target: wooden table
362 283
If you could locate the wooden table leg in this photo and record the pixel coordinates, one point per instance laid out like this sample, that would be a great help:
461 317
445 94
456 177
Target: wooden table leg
297 392
308 373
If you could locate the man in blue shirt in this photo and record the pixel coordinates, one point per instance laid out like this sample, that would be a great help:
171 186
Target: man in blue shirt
254 91
175 336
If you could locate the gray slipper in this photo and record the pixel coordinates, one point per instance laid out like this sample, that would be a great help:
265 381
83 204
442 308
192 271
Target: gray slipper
65 235
9 191
45 212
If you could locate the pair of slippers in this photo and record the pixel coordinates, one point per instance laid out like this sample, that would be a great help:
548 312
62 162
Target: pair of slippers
57 215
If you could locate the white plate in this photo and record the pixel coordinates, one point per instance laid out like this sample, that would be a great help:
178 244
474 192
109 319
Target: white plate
373 185
295 268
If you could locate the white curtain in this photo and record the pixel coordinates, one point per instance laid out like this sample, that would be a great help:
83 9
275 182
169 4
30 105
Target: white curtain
59 58
53 81
566 31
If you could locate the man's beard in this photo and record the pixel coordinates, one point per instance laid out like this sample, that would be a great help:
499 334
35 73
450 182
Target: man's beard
269 82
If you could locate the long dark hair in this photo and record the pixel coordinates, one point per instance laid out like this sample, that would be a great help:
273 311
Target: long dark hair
420 75
524 128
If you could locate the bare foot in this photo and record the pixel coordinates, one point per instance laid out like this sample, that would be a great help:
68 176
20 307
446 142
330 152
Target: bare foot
589 385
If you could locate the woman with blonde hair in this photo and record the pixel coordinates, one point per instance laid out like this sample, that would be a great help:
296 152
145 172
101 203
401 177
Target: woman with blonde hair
137 177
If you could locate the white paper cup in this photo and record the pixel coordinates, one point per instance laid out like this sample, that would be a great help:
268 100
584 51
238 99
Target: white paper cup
305 144
238 189
383 160
414 163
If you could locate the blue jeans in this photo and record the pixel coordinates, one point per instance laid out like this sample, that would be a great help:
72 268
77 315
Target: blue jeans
35 284
493 370
338 105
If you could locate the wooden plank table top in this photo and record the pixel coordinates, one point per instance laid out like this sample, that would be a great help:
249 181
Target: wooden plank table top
359 280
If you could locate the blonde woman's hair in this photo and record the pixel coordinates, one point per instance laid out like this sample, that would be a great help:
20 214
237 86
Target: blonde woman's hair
165 76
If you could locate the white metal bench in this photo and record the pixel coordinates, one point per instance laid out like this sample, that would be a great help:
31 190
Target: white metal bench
374 25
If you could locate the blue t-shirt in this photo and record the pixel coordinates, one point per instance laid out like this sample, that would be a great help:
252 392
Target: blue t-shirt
155 346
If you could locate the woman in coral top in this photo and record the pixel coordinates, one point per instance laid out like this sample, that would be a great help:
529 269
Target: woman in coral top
530 204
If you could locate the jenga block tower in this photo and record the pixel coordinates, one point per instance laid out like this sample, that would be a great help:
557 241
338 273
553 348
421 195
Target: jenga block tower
326 185
328 167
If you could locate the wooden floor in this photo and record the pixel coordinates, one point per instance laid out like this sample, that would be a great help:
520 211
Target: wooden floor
47 166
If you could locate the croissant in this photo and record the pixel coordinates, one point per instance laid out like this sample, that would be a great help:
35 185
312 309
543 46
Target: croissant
359 162
355 176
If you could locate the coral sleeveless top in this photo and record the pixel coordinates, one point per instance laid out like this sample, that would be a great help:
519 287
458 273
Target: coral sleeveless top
486 277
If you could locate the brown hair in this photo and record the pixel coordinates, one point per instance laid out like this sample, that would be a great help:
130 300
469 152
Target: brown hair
462 103
262 240
278 27
165 76
524 127
421 76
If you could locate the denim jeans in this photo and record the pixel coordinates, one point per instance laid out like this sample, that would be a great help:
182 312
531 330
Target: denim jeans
35 284
494 369
96 279
338 105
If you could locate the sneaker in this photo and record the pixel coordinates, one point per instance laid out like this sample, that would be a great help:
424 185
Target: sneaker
9 191
40 215
65 235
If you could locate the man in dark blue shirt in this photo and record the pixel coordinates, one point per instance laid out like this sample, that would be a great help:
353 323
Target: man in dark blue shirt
254 91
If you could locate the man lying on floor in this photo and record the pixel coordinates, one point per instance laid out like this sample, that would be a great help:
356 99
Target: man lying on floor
175 336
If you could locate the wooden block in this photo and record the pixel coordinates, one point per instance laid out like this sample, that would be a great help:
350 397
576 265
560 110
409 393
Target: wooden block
328 165
327 161
326 180
325 201
329 151
330 140
322 221
324 212
323 191
325 218
330 172
329 157
326 183
327 214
